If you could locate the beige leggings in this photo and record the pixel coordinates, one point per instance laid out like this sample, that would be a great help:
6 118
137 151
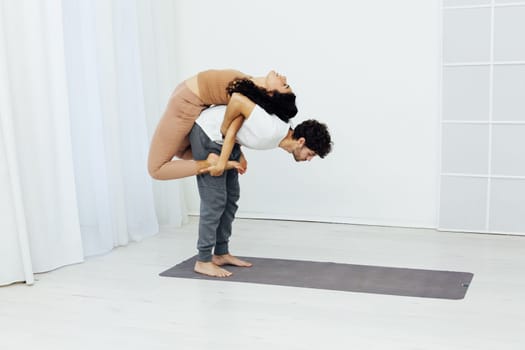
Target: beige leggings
171 137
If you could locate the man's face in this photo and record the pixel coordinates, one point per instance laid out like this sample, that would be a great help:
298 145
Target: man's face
303 153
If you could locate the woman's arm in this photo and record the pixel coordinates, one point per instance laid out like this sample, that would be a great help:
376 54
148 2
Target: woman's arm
239 105
227 147
239 108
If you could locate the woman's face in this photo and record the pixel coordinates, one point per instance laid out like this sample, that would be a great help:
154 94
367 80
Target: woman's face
275 81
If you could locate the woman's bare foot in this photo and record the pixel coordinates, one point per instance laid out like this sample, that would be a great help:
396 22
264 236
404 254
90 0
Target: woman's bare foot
210 269
228 259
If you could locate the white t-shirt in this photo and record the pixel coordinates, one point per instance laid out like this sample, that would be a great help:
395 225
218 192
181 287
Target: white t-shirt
259 131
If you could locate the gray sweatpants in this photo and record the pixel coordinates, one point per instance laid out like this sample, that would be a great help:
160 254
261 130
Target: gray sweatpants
219 196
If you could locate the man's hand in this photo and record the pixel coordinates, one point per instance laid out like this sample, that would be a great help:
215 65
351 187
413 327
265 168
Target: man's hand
243 165
216 170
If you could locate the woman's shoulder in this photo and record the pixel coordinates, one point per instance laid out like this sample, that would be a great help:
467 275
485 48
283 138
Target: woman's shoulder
241 104
223 72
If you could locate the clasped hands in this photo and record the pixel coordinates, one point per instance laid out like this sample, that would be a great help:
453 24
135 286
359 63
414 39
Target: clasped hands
218 169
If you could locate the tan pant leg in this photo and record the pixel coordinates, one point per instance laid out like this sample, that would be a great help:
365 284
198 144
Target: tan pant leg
171 136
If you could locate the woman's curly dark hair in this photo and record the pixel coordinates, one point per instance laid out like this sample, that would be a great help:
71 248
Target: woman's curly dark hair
316 135
273 102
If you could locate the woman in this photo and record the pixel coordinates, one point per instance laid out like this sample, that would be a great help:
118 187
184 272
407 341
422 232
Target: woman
211 87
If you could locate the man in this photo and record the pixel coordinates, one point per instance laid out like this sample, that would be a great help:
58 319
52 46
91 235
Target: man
219 194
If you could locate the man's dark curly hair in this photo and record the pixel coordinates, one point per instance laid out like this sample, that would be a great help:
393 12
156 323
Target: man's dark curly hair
316 135
273 102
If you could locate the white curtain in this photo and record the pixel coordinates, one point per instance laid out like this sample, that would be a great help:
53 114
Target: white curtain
76 114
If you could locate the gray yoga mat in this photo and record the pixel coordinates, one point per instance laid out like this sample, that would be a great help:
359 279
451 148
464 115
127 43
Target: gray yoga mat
342 277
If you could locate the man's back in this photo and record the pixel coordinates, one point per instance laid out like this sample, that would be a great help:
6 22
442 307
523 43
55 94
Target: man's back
259 130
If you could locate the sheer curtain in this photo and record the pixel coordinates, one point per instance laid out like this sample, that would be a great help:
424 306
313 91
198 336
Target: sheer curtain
83 84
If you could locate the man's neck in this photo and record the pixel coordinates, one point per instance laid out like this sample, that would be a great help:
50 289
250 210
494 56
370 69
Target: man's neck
287 143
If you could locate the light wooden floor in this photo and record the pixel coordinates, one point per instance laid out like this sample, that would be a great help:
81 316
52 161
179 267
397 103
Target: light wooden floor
118 301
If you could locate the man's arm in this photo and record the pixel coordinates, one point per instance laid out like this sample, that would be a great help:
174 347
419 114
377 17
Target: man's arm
227 147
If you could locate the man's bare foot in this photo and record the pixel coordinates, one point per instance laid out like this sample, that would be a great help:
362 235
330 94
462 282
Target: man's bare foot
210 269
228 259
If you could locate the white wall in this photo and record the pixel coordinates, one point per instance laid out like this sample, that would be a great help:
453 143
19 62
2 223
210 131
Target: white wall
369 69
